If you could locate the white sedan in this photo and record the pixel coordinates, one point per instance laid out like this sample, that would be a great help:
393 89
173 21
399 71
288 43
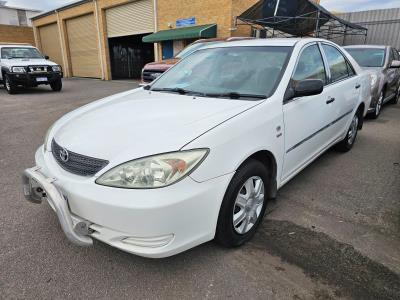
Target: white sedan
197 154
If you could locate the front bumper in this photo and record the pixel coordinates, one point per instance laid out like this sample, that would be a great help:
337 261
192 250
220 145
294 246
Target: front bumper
29 79
151 223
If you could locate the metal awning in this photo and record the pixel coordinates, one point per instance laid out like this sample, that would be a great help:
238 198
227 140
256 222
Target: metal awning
192 32
298 18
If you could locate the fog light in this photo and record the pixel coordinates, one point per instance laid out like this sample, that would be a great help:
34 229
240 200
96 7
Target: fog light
153 242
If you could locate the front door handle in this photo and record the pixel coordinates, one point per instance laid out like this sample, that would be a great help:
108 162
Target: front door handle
330 100
358 86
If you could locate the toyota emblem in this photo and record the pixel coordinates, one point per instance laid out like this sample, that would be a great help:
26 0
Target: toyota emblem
64 155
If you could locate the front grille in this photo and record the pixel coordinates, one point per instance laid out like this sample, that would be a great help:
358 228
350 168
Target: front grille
38 69
77 163
150 75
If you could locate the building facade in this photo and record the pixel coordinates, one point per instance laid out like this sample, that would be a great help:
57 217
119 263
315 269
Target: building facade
106 38
15 24
383 27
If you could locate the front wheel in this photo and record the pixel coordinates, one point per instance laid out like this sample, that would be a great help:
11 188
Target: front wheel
347 143
243 206
10 87
395 100
56 85
378 106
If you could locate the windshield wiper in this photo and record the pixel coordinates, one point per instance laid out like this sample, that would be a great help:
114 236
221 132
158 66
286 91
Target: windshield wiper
180 91
236 95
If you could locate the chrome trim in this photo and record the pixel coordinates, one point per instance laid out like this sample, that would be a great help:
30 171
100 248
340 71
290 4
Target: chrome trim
56 201
318 131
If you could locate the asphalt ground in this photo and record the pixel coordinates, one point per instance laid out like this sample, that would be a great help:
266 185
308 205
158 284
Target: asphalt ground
332 234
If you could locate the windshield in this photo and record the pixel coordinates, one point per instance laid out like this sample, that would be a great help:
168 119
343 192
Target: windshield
368 57
191 48
234 72
20 52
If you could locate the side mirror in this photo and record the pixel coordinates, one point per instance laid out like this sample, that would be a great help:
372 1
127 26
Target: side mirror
395 64
46 57
307 87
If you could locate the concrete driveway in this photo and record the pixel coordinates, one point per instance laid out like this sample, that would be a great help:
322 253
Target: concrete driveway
333 233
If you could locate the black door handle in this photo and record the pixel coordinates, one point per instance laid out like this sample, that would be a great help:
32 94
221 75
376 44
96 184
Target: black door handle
330 100
358 86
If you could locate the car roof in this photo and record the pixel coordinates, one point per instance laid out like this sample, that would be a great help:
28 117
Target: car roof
366 46
288 42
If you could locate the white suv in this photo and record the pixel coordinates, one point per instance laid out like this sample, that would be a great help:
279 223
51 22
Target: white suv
198 153
24 65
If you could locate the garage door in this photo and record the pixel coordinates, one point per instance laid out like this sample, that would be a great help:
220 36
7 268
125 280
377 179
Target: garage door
129 19
50 42
83 47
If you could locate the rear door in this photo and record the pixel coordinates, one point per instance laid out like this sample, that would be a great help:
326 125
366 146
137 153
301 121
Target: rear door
306 118
393 74
343 86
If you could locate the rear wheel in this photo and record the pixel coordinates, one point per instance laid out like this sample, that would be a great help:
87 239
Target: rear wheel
56 85
10 87
347 143
243 206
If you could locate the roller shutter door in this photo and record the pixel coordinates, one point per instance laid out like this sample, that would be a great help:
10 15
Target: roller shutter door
50 43
129 19
83 47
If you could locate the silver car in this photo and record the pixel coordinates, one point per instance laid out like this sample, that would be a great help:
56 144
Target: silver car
383 63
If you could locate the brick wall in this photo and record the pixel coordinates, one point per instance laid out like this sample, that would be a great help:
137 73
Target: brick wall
16 34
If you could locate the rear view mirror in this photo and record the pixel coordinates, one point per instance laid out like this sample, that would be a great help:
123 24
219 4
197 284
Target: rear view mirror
307 87
395 64
46 57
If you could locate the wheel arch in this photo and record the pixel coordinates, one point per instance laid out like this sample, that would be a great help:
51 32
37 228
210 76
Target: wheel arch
267 158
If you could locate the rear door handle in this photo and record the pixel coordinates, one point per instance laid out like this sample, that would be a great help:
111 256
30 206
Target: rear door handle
358 86
330 100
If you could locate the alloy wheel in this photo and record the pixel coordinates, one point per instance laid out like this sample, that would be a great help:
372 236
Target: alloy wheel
353 130
7 84
378 106
248 205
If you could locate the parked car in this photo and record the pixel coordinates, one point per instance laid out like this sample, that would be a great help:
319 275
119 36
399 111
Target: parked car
382 62
197 154
24 65
154 69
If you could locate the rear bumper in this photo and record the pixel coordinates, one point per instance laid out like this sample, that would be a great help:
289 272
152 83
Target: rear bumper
27 79
151 223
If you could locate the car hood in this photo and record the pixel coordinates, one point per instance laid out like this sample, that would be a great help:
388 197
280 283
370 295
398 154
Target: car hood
140 123
23 62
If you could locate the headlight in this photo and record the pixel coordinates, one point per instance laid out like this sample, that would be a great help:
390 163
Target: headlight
18 70
46 138
153 171
374 80
56 68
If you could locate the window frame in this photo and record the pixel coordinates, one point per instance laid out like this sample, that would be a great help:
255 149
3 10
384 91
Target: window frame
305 47
348 64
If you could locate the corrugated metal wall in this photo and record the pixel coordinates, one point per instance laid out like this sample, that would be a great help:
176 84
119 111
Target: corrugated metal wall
383 27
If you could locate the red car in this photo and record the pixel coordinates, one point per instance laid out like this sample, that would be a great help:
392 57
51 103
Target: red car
152 70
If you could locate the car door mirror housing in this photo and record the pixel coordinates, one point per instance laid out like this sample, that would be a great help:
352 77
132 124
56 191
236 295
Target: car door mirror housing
46 57
395 64
307 87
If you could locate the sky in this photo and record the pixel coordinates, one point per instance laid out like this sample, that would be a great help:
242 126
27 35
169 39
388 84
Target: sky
333 5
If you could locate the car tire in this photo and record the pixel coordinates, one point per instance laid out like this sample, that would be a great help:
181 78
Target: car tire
243 206
56 86
9 86
395 100
378 106
347 143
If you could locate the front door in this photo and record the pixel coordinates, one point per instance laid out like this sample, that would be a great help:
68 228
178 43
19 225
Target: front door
305 118
167 49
